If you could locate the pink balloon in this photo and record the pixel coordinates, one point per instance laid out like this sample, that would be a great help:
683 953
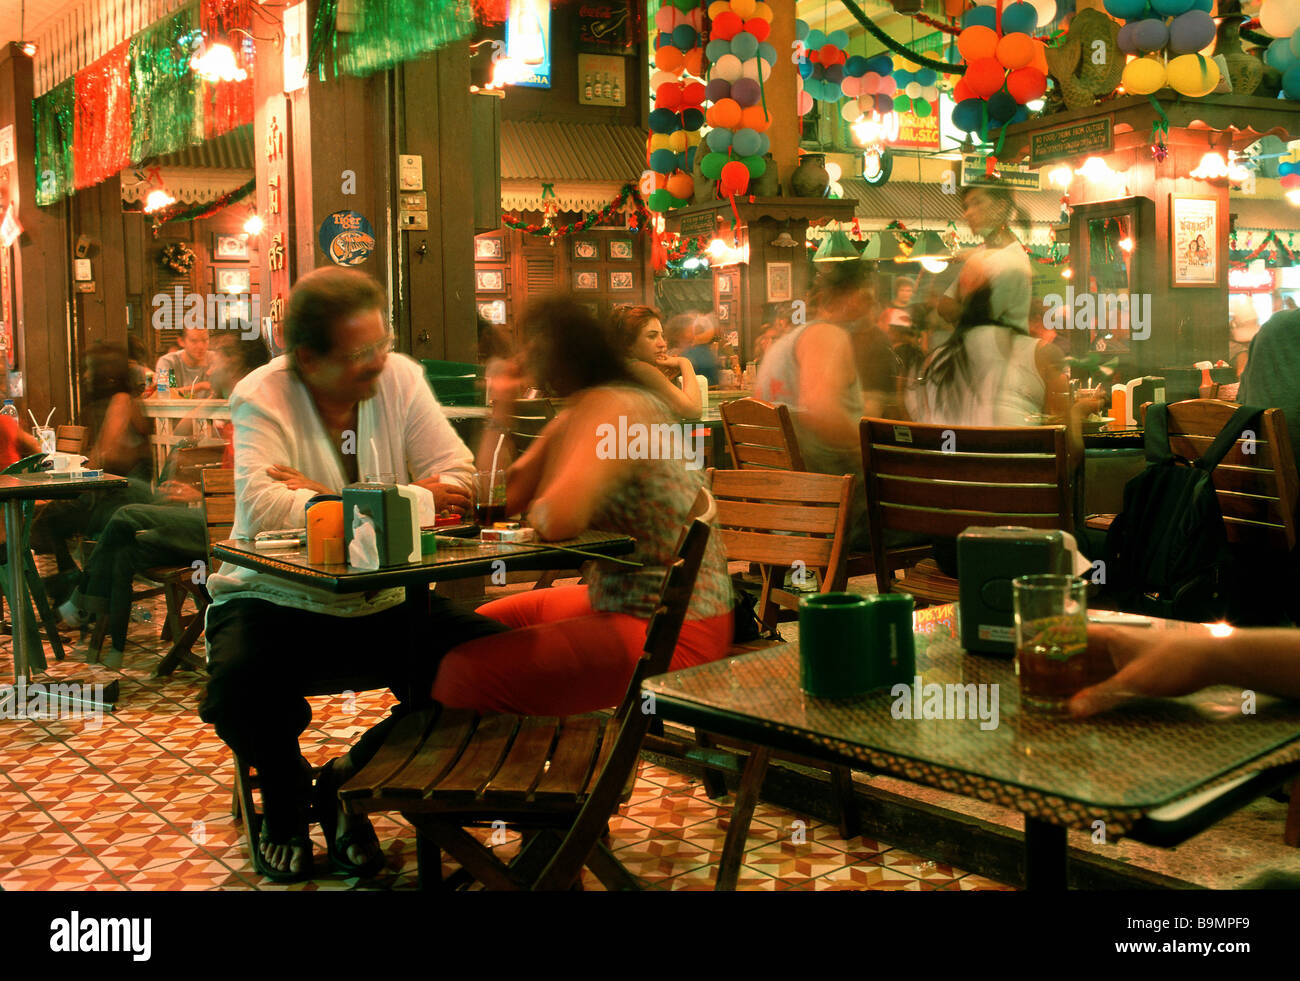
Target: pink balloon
695 18
666 18
805 103
887 86
869 82
850 86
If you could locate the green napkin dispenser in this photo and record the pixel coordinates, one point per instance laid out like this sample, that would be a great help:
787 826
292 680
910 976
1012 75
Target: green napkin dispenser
396 519
987 560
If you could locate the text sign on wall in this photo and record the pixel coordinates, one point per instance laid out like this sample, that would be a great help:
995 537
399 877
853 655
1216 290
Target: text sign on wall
603 27
918 132
974 171
528 42
1077 139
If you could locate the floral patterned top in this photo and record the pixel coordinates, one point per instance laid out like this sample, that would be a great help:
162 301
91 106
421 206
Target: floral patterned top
651 504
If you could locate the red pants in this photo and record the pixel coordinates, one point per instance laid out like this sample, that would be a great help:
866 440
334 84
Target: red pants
561 657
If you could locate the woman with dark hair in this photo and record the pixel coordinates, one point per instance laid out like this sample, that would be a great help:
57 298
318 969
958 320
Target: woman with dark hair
573 648
641 336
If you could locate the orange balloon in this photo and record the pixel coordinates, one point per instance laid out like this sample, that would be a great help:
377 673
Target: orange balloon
1039 61
719 7
1015 50
726 114
694 62
753 117
977 42
680 185
668 58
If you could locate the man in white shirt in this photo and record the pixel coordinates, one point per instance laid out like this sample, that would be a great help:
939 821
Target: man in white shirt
336 407
192 364
1000 263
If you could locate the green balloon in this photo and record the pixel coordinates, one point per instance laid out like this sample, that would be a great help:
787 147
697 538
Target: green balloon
902 103
755 165
712 164
659 200
685 5
921 108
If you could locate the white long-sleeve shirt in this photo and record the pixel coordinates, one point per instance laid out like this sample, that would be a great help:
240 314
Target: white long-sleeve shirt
401 430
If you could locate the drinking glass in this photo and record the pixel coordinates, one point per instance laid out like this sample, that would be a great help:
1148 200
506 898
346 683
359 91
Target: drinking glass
489 497
1051 613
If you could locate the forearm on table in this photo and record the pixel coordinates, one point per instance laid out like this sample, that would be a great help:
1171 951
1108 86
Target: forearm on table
1266 660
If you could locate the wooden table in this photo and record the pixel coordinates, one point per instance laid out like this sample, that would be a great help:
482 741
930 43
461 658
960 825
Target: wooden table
168 412
473 558
1158 770
14 490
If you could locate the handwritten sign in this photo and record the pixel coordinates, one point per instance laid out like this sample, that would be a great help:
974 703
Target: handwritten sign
1077 139
918 132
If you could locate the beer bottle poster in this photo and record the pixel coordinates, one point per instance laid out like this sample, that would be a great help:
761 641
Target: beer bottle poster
347 238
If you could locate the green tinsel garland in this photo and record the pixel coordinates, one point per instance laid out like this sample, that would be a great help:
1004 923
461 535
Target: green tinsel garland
166 97
203 209
391 31
52 117
899 48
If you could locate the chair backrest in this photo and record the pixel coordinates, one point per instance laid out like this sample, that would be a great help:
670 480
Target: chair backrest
70 439
185 463
527 421
218 506
1256 483
940 480
455 382
760 436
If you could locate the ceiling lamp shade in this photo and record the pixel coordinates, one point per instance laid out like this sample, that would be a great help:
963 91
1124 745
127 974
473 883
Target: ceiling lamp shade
930 251
836 247
884 247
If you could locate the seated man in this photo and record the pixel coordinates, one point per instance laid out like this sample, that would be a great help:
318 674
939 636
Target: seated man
192 364
300 423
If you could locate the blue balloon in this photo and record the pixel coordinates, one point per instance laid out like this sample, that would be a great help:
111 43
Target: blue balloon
815 39
718 139
1019 18
1295 44
692 119
663 161
1170 8
880 64
800 29
745 143
690 158
1002 106
1206 5
663 38
1021 115
765 143
767 52
1125 9
744 46
1285 167
980 17
968 115
664 121
927 76
1279 55
855 66
902 76
684 37
1291 82
806 68
838 38
715 49
832 92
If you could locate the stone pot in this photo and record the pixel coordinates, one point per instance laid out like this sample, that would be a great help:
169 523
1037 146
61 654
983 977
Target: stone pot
769 185
810 179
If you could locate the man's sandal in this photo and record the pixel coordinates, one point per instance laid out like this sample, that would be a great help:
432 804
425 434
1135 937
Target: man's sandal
266 870
360 835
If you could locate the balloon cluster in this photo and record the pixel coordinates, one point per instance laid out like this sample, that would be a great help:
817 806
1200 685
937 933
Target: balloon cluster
677 116
823 65
1288 168
1003 70
1175 30
741 61
917 91
1282 20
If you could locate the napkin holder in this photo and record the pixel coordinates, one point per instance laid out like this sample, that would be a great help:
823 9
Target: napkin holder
987 560
395 512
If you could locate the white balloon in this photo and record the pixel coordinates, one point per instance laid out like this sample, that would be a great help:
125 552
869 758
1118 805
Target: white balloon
1280 18
834 171
913 90
728 67
850 111
662 78
749 69
1046 10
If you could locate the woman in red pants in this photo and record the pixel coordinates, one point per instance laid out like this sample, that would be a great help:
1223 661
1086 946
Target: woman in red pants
573 648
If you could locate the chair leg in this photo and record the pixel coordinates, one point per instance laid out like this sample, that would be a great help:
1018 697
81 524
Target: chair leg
476 858
181 650
1292 833
610 871
175 598
733 849
846 804
428 863
247 807
98 633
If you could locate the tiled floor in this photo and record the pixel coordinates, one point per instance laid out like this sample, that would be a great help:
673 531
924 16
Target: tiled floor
142 801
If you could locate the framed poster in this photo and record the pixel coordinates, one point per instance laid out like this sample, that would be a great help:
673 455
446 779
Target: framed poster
724 285
779 283
238 281
489 280
585 249
1194 239
620 249
586 281
724 313
602 80
229 248
621 281
493 311
489 247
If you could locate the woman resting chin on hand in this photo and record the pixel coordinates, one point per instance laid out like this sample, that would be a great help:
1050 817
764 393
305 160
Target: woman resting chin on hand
572 649
639 331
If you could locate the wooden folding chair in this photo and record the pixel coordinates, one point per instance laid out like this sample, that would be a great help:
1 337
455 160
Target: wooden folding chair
941 480
70 439
556 780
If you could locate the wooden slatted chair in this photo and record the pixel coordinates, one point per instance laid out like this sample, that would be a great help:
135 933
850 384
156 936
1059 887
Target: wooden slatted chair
526 422
554 779
993 476
70 439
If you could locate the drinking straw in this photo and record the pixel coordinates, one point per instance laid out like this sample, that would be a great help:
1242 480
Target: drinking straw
374 452
48 417
492 476
35 424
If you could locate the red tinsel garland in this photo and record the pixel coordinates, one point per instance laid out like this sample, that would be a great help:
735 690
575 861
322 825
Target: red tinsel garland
101 142
228 105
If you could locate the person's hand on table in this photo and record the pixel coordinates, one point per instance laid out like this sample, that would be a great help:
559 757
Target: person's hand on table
294 480
1147 663
446 496
201 390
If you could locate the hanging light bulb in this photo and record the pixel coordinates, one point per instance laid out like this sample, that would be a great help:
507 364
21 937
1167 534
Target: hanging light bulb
1062 177
930 252
1126 244
157 200
254 225
217 64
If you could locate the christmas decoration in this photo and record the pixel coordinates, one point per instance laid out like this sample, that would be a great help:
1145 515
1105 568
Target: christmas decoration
166 107
549 229
101 141
390 31
178 257
228 104
203 209
53 124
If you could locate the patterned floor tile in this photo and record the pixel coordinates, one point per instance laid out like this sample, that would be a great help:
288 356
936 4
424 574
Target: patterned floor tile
919 867
191 874
704 879
972 882
864 877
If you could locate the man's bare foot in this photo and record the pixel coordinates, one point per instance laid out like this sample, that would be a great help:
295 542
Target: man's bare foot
285 859
354 836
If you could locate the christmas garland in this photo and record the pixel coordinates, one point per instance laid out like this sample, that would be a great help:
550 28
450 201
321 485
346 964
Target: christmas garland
178 257
1281 251
203 209
547 229
688 248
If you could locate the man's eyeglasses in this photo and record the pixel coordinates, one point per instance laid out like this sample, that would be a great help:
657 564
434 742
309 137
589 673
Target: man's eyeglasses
370 351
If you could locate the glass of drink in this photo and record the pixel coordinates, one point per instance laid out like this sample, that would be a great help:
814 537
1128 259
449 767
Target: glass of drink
489 497
48 439
1051 613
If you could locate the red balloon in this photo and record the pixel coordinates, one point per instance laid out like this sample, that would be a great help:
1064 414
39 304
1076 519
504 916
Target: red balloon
827 53
693 94
1026 84
726 26
735 177
961 92
668 96
985 77
759 28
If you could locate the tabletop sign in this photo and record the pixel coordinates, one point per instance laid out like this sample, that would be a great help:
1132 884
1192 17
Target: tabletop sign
1077 139
604 27
696 225
974 173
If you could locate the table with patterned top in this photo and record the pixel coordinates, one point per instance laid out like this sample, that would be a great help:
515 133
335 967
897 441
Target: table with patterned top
1156 770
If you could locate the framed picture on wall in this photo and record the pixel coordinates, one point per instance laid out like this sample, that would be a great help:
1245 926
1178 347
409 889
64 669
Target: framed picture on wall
233 280
592 308
779 283
586 280
724 285
493 311
489 248
489 280
724 313
620 249
585 249
229 248
1194 240
621 281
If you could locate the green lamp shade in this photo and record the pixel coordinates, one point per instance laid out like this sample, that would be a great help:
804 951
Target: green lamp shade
835 247
884 247
929 246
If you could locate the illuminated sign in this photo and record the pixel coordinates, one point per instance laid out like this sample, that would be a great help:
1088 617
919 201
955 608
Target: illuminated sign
918 132
528 42
1248 280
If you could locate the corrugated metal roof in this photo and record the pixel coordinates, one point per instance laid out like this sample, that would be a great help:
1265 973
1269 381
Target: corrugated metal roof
229 151
905 200
571 152
1264 213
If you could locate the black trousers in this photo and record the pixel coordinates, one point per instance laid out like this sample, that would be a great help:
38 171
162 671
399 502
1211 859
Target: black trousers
263 658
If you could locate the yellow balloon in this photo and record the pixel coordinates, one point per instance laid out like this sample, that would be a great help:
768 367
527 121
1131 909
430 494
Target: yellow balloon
744 9
1192 75
677 141
660 141
692 136
718 7
763 12
1142 76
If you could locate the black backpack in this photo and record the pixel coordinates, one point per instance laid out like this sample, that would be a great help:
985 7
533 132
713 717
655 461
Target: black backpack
1169 554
